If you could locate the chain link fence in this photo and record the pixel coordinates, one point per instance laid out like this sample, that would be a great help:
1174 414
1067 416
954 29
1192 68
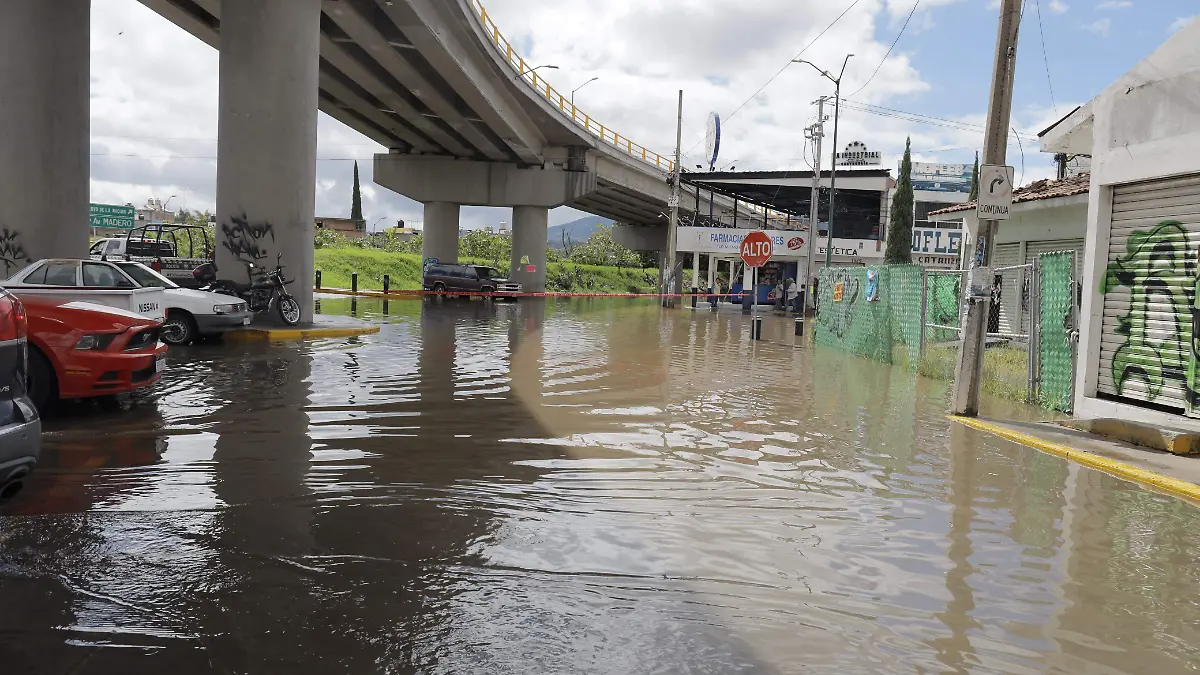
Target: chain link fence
905 315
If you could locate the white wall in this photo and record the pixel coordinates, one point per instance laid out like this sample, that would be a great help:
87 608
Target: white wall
1145 127
1044 220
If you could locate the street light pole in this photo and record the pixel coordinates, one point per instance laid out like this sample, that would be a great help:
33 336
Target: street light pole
837 108
814 213
581 87
535 68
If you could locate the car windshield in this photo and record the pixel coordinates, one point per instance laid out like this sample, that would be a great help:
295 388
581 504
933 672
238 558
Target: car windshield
146 276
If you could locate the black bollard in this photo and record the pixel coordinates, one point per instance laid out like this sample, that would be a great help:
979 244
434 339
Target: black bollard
387 281
695 292
354 282
800 327
318 281
756 328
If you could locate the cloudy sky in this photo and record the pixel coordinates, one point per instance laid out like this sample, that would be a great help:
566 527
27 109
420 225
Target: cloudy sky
154 87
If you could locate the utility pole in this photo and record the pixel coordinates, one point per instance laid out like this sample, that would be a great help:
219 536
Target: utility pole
970 358
676 174
815 133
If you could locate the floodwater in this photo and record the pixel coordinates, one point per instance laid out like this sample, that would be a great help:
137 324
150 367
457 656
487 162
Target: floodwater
587 486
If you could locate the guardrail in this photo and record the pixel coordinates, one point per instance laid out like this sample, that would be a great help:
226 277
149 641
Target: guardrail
563 103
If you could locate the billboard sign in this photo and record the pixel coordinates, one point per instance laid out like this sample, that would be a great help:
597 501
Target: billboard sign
111 215
856 154
936 248
941 177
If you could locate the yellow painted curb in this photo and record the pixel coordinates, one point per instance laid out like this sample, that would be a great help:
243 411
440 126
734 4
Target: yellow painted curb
300 333
1173 486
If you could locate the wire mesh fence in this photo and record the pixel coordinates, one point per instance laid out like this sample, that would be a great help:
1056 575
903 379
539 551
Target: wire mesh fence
903 314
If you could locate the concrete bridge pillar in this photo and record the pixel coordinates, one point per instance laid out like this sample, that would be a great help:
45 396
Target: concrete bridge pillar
528 261
44 120
267 139
439 239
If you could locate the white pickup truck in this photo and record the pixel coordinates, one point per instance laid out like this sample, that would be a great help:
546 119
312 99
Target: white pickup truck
159 246
99 282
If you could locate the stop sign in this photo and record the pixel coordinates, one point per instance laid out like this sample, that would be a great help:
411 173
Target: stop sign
756 249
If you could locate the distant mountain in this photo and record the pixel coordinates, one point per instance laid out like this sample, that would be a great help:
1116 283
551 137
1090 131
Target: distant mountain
577 231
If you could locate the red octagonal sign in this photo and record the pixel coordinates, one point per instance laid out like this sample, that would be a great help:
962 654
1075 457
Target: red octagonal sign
757 249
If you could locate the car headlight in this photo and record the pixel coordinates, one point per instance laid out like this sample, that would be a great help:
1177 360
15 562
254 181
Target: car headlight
226 309
94 342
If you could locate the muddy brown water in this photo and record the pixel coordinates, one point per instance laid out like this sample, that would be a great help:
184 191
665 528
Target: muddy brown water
585 486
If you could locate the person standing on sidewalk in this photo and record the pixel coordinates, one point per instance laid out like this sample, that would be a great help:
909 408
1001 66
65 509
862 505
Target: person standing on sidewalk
793 296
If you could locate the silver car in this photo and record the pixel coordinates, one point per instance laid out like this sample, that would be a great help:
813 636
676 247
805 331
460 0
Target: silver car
20 427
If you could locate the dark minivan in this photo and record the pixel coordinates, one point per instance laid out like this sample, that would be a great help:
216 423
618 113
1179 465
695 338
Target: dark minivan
444 277
20 427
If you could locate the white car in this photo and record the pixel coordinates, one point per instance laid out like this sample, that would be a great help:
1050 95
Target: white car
190 313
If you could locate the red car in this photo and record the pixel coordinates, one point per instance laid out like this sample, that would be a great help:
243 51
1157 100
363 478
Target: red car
81 349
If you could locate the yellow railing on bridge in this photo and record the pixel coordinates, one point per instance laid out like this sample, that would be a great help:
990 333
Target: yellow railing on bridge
563 103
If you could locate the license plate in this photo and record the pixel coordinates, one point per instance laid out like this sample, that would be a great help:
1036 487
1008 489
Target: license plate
160 365
246 321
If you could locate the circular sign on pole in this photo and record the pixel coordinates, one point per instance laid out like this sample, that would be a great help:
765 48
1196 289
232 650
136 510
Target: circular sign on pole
713 140
756 249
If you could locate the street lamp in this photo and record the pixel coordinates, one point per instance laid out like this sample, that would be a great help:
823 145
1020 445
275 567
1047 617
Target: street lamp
372 228
837 94
581 87
535 68
168 202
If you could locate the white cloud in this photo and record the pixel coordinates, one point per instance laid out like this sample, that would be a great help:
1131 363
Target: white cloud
1058 6
1110 5
1182 21
1099 27
154 91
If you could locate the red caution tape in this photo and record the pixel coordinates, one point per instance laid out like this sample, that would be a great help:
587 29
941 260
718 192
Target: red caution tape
498 294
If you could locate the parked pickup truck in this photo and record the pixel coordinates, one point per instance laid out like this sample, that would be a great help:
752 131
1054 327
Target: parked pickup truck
172 250
98 282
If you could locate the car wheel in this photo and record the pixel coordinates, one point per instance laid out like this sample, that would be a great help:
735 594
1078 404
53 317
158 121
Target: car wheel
487 289
179 328
41 382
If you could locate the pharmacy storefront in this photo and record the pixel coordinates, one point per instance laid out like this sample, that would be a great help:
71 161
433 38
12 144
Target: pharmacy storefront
722 245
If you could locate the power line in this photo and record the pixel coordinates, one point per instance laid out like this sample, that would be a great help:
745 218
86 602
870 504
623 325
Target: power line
889 51
1046 57
918 117
785 66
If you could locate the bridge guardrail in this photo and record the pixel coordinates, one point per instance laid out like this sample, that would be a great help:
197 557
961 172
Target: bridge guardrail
564 104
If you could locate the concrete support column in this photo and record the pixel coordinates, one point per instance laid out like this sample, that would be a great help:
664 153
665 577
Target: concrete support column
439 239
267 140
712 271
529 247
695 271
45 57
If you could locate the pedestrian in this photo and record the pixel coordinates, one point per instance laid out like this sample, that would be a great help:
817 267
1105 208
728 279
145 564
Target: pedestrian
793 296
780 290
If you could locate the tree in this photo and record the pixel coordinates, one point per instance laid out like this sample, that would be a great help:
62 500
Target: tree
900 222
975 179
356 198
600 249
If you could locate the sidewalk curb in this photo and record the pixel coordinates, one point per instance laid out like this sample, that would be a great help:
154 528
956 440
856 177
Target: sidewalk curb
1156 481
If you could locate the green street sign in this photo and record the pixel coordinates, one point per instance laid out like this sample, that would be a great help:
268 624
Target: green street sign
109 215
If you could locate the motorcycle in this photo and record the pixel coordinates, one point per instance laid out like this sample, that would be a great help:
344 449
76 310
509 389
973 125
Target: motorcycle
266 290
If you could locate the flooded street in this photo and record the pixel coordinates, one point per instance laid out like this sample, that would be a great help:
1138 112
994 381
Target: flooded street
585 486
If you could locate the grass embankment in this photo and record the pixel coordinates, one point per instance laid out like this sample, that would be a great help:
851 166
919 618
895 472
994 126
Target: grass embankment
1004 369
337 264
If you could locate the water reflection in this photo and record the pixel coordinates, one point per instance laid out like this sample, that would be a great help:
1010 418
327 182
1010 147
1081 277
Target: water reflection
574 486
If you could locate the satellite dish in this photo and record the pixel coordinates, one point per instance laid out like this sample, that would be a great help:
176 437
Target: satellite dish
713 140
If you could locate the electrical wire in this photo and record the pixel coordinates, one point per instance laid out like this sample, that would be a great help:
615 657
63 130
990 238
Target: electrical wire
1022 146
726 119
1045 56
889 51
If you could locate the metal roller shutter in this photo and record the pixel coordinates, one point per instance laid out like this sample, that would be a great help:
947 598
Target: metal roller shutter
1146 334
1009 255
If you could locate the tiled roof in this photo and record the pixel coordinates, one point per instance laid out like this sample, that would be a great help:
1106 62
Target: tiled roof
1046 188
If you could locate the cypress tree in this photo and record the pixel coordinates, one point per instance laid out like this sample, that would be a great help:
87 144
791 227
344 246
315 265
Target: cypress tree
900 222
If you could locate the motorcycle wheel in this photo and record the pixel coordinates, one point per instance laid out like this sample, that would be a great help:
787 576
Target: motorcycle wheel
289 310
